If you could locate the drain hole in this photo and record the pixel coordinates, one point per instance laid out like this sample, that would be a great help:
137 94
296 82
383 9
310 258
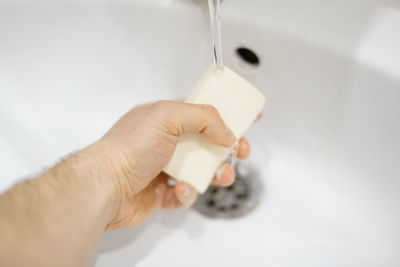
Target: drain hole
211 203
234 206
222 209
240 196
214 190
248 56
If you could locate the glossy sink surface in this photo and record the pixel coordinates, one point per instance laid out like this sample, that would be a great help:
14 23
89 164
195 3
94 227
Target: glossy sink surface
328 149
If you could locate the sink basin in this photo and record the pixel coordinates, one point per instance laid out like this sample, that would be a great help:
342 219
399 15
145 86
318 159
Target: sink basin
327 150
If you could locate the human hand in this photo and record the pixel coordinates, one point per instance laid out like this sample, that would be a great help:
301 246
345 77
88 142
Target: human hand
142 142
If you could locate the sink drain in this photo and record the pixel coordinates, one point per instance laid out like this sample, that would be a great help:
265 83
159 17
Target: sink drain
234 201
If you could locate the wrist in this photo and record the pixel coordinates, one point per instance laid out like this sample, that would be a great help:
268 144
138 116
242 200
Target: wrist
93 170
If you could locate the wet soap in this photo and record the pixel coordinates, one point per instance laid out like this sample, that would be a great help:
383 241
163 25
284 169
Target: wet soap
196 160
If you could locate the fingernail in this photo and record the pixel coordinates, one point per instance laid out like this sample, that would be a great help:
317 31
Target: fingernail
187 192
219 173
171 182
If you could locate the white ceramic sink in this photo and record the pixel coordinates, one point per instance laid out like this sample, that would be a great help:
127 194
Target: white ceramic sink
328 149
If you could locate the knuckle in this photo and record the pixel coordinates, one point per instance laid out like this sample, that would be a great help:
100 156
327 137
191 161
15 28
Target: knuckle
163 113
161 104
212 111
160 108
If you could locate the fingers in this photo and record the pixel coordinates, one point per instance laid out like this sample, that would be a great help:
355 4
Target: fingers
165 196
194 118
225 176
185 193
243 149
181 195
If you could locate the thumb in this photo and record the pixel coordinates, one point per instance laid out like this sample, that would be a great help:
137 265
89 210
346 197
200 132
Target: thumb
201 119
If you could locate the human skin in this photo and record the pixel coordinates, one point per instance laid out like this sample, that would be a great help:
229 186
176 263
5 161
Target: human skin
57 218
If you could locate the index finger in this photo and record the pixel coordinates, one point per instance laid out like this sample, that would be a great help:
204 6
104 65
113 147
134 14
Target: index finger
194 118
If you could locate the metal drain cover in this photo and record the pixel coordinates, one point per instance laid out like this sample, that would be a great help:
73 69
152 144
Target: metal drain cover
234 201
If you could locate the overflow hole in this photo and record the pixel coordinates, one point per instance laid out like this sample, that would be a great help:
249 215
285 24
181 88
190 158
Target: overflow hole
248 56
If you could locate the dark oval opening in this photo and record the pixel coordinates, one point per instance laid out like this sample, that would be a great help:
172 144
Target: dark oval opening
248 56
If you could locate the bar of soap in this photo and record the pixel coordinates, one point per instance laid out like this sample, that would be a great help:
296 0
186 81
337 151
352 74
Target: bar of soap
195 159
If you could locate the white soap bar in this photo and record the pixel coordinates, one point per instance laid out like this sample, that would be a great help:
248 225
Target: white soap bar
196 160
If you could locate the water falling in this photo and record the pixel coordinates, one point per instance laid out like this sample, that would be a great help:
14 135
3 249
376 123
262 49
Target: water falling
214 7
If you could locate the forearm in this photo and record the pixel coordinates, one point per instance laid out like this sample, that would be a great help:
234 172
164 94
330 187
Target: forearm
56 219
